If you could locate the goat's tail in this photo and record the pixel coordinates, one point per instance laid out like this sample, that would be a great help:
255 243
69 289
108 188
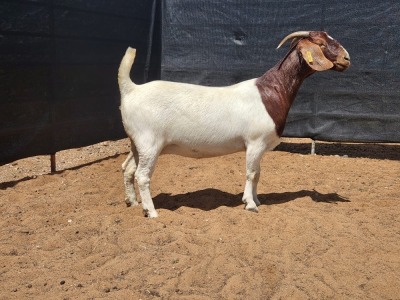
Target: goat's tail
124 80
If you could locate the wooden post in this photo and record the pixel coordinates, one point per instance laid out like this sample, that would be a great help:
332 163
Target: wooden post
53 163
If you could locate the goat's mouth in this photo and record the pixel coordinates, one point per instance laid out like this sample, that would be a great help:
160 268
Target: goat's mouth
342 63
342 66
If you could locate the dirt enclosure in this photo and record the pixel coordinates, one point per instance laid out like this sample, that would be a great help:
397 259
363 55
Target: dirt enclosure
328 227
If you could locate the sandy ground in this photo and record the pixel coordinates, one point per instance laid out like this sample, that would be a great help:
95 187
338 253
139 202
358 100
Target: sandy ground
328 227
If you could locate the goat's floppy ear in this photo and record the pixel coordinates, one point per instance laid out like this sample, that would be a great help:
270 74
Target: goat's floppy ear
314 56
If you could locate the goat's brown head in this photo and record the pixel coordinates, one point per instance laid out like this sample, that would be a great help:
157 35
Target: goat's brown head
320 51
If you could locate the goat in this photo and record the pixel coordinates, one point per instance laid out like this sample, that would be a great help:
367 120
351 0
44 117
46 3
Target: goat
162 117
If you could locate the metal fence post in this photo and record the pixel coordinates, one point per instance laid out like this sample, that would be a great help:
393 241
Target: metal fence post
53 163
313 147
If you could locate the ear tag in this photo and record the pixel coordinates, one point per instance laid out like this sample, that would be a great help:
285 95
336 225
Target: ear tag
309 57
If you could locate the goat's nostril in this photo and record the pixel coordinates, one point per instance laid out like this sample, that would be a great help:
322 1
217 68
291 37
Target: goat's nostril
347 58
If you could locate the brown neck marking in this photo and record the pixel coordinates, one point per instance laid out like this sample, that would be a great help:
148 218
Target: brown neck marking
278 87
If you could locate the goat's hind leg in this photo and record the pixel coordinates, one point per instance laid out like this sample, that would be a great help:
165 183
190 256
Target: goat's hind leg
129 168
143 174
255 183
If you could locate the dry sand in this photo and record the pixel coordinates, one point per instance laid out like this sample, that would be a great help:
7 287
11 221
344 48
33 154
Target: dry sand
328 227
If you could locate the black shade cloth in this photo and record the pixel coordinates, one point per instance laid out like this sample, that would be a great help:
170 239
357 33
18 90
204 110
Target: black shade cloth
59 62
219 42
58 71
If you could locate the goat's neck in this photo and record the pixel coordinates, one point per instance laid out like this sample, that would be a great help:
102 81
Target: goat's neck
278 87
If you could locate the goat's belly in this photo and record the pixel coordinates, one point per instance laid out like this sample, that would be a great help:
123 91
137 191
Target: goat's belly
203 151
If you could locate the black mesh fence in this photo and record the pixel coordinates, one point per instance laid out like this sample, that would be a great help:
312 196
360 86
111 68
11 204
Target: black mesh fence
59 61
219 42
58 71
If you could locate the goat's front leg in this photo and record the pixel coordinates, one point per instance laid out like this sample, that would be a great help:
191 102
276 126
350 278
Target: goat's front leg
253 159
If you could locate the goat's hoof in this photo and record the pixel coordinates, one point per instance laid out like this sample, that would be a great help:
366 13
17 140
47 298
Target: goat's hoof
257 202
131 203
252 208
150 214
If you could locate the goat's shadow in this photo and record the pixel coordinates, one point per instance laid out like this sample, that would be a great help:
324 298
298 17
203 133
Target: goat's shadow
210 199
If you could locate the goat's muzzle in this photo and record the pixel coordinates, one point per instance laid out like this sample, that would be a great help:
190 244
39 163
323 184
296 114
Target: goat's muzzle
342 62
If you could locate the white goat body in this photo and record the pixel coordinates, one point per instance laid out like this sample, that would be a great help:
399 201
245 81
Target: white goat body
163 117
197 121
